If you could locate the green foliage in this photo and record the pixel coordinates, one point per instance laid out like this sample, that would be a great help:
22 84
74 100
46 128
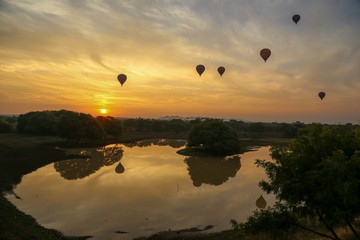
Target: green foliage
214 136
276 222
318 174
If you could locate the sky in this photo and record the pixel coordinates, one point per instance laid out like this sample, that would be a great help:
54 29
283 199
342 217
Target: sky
67 54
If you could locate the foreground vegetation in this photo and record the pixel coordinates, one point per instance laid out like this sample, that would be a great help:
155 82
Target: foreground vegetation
315 177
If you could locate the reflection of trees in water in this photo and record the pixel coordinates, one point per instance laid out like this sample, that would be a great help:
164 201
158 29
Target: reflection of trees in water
175 143
212 170
79 168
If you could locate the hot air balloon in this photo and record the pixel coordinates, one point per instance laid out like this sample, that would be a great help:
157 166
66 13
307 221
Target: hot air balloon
321 95
121 78
296 18
221 70
200 69
265 53
260 202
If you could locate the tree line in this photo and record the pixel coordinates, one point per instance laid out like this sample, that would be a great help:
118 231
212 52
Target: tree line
68 125
71 125
77 125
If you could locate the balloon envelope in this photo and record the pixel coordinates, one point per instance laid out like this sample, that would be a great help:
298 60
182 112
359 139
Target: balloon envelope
265 53
260 202
200 69
321 95
121 78
221 70
296 18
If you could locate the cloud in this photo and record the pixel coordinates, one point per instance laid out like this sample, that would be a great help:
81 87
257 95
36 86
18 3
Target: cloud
81 46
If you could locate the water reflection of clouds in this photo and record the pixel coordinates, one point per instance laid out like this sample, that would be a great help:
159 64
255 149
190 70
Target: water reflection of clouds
94 159
74 169
156 185
212 170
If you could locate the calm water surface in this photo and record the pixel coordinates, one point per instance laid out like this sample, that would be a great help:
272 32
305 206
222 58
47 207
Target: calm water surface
141 189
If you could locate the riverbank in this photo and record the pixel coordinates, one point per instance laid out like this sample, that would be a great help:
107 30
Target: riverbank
247 144
20 155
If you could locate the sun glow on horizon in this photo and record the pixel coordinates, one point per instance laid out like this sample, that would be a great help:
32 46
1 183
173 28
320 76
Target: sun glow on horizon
158 51
103 111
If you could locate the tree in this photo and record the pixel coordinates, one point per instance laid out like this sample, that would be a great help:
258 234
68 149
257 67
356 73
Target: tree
177 125
77 126
318 176
257 127
111 125
39 123
159 125
214 136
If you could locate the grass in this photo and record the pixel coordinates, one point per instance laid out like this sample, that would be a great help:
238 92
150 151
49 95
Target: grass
24 140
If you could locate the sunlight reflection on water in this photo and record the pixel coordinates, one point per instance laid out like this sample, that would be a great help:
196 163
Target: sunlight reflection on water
141 189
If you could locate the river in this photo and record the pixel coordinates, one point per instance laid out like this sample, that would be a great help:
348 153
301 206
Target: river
124 191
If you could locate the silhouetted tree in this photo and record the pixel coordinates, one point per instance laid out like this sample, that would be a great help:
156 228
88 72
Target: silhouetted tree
39 123
317 176
111 125
214 136
77 126
159 125
137 124
177 125
257 127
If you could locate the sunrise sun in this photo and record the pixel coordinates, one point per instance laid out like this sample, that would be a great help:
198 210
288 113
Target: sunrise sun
103 111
